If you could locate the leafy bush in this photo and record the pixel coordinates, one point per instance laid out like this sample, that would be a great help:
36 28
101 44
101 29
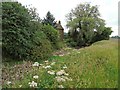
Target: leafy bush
16 36
52 35
42 47
22 37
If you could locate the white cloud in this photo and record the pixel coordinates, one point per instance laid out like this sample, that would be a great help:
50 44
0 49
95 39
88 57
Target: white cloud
59 8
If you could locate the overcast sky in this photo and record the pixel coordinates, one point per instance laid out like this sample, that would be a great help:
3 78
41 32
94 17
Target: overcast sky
59 8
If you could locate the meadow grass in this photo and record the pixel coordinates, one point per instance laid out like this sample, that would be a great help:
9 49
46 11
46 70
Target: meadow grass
95 66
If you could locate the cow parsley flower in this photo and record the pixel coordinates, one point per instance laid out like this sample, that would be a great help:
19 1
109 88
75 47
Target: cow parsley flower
66 74
61 55
51 72
53 63
40 64
61 72
32 84
35 77
70 79
60 86
35 64
46 61
47 66
20 85
59 79
9 82
65 67
65 77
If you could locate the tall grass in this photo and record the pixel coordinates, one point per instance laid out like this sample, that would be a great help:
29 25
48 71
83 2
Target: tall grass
95 66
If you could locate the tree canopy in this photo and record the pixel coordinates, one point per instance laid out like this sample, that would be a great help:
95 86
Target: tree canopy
49 19
83 22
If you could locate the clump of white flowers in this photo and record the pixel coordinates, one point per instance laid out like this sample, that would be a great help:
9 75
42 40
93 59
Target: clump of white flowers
60 79
64 67
53 63
46 61
20 85
51 72
9 82
32 84
61 72
35 64
35 77
60 86
69 79
61 55
40 64
47 66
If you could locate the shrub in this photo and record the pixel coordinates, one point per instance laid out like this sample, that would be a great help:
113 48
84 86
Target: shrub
42 47
16 36
22 37
52 35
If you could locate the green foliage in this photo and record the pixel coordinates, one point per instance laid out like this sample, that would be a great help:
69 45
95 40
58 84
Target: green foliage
16 36
42 47
52 35
116 37
49 19
82 23
22 35
104 35
90 67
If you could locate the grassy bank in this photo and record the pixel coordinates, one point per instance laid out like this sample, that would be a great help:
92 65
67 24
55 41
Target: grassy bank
95 66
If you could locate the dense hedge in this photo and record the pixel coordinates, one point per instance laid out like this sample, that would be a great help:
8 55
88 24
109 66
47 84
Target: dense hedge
23 37
52 35
16 36
42 47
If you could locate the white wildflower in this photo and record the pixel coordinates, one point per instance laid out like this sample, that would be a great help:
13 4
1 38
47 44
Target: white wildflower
60 86
47 66
35 64
20 85
53 63
65 67
65 77
46 61
41 64
32 84
70 79
51 72
61 72
59 79
9 82
66 74
35 77
61 55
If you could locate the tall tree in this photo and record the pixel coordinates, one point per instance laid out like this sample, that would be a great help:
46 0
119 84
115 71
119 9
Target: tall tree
83 21
49 19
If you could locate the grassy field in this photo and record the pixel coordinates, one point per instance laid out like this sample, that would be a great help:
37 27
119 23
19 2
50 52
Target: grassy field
95 66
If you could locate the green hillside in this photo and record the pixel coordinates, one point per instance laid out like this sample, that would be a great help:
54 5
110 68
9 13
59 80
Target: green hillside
95 66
